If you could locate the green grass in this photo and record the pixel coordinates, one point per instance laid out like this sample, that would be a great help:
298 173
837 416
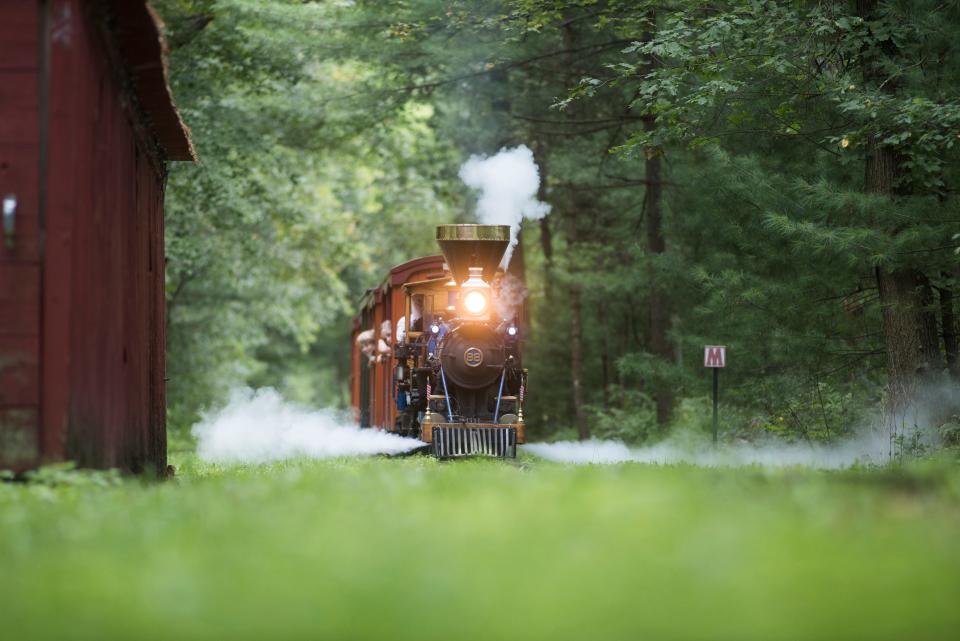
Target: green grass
415 549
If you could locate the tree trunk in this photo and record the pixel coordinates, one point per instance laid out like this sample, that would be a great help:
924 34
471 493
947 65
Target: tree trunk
910 334
576 363
658 321
518 263
546 240
906 299
604 356
948 324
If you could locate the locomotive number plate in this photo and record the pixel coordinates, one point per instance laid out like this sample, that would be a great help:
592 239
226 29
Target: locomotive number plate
473 357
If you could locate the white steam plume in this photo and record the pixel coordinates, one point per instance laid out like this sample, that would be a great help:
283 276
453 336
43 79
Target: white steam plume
510 297
508 184
259 426
871 448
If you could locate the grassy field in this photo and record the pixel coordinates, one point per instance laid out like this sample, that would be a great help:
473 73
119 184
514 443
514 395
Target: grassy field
415 549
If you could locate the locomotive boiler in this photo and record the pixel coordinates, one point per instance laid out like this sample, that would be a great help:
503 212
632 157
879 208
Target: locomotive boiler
438 349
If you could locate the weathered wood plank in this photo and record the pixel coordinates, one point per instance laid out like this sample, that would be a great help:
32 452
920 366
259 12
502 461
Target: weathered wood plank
19 283
19 33
18 437
19 103
19 370
18 178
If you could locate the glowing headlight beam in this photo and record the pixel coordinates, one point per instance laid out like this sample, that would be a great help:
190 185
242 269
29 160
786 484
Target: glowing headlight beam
475 302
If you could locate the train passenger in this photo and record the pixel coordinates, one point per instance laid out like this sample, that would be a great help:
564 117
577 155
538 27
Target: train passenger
437 336
416 313
383 344
366 344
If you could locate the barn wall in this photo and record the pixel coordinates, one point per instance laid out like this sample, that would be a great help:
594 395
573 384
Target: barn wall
20 264
104 264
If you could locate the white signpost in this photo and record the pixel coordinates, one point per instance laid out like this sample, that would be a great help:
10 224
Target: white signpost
715 357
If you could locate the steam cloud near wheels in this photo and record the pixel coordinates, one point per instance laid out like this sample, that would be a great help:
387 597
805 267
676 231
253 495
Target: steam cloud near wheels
867 449
260 427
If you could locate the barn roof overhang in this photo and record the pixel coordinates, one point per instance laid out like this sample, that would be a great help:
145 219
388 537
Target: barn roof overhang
137 30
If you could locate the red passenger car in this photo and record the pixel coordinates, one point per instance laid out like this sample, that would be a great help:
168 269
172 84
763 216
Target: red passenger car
86 128
374 328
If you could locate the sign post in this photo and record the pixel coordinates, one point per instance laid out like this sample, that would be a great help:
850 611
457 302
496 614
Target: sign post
715 357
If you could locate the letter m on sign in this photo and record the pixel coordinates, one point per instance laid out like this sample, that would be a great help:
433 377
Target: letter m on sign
715 356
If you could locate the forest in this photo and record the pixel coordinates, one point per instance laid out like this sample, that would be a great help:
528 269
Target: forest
776 177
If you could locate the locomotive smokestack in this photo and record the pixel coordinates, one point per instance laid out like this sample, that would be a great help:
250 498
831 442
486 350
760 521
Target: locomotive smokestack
466 246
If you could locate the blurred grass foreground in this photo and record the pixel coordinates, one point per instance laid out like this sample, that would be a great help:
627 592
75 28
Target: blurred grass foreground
416 549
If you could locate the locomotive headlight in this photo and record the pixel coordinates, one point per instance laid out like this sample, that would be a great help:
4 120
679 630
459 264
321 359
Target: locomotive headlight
475 302
475 296
434 329
512 330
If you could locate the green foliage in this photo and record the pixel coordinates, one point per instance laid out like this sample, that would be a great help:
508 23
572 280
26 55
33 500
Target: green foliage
361 549
768 111
626 416
294 207
794 74
59 475
950 432
330 135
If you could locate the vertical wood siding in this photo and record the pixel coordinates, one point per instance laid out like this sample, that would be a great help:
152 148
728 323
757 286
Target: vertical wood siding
20 264
82 294
105 194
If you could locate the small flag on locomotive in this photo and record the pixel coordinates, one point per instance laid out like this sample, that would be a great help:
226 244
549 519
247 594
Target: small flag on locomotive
437 352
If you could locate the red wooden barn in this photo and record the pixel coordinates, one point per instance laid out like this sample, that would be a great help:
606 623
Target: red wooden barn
87 125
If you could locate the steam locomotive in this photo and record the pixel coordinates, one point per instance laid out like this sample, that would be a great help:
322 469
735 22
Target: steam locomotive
437 351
